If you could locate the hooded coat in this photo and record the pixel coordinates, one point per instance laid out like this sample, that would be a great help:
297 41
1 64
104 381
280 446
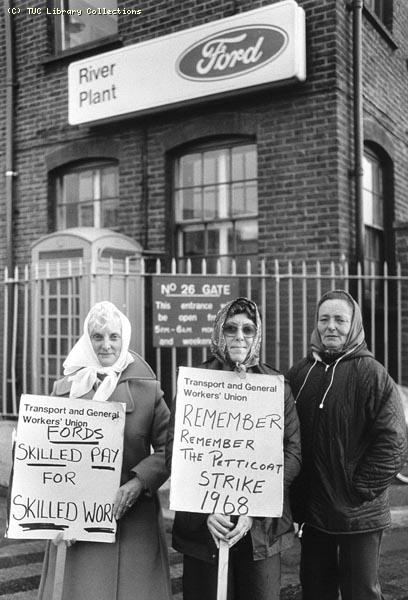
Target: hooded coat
136 565
268 535
352 432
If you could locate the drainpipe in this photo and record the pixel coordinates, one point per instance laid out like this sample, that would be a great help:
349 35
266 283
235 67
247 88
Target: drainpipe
9 172
358 128
145 186
8 348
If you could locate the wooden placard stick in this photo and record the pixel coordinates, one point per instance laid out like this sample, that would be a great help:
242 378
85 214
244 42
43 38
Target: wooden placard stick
222 583
59 571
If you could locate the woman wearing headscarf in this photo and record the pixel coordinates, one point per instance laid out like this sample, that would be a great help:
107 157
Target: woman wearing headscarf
353 441
101 367
255 543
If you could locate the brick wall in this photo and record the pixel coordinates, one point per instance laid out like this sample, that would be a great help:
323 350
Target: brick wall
304 132
294 128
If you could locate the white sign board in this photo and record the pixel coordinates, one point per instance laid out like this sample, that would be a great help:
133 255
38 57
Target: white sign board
228 443
250 50
66 470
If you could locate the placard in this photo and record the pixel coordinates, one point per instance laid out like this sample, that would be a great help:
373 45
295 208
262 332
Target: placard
66 470
228 443
185 307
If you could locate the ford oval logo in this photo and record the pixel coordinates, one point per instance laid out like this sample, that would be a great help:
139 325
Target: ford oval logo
232 52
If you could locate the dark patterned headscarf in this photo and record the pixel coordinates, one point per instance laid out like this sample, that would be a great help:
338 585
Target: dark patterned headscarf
218 344
356 335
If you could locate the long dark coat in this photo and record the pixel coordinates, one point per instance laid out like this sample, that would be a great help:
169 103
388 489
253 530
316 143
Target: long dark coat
353 441
136 565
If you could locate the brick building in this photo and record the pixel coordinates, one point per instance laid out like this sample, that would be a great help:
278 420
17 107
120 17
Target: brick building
265 171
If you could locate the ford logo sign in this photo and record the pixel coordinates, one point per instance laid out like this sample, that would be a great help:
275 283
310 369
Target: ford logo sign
232 52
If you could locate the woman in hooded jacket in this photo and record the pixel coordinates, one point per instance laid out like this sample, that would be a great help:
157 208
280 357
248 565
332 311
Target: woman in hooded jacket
353 441
254 564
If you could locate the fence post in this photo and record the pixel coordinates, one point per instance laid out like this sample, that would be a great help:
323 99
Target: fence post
359 284
204 272
189 349
399 323
318 280
304 308
263 307
25 329
249 281
13 357
5 340
22 325
158 350
173 349
372 307
277 315
346 277
290 302
386 309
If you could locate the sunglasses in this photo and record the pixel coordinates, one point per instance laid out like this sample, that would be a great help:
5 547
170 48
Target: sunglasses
247 330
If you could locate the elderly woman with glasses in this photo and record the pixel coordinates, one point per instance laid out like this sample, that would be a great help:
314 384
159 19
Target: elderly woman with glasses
254 565
101 367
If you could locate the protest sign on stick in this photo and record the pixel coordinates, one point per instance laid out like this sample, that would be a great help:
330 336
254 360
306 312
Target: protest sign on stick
222 579
59 572
228 443
66 469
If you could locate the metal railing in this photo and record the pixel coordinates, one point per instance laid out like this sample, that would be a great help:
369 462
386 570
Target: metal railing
285 292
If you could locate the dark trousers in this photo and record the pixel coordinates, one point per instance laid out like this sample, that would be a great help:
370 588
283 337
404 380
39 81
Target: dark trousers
247 579
346 562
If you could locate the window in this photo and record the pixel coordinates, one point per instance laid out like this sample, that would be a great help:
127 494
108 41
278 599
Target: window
87 196
380 294
373 212
382 9
216 204
80 22
377 6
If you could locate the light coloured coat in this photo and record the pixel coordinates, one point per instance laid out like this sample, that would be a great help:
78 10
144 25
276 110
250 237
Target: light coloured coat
136 565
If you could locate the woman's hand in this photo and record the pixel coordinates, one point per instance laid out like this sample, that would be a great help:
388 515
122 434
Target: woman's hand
242 527
127 495
219 526
59 539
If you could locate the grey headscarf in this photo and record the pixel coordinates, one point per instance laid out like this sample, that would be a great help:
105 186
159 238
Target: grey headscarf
356 335
218 344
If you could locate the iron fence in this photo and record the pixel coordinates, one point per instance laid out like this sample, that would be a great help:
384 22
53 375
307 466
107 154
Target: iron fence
44 306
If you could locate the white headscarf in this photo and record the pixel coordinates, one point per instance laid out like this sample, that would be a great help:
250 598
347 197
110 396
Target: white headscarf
82 365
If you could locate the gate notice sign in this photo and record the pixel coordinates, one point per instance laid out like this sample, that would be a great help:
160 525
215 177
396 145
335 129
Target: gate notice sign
185 306
228 443
66 469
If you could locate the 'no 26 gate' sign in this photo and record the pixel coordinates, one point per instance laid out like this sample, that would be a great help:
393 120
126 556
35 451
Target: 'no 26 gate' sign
184 308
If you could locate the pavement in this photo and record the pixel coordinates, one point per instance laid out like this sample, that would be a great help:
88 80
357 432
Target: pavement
20 560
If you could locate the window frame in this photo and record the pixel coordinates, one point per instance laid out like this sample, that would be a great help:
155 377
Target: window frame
97 200
57 34
381 19
203 224
378 8
377 193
